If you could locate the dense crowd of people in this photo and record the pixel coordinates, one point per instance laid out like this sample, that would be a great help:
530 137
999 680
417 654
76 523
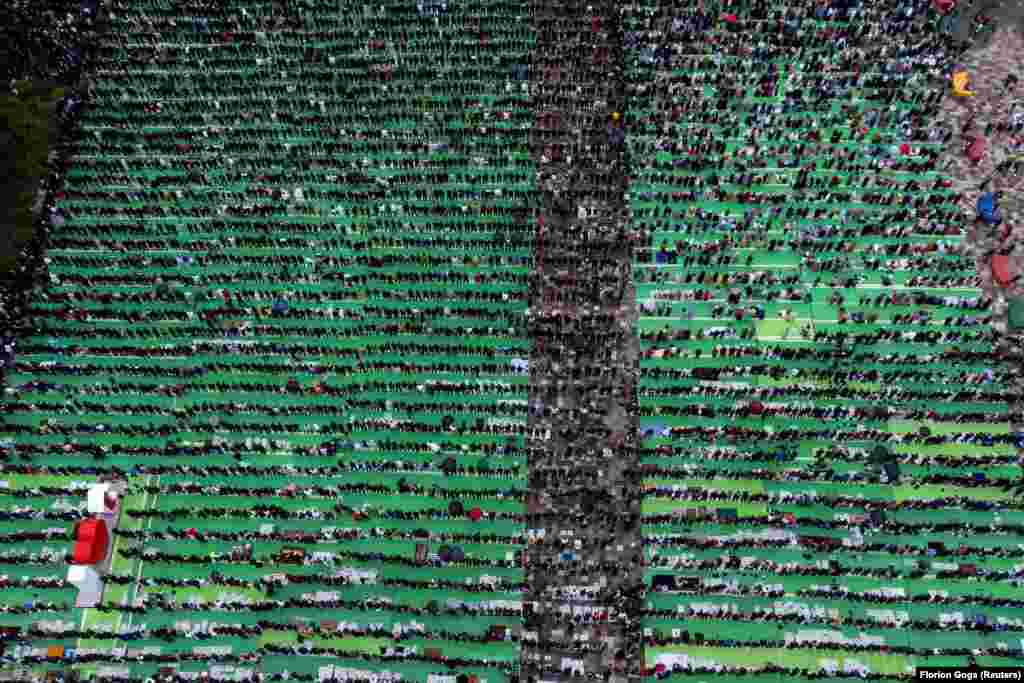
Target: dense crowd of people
420 258
787 180
283 252
45 40
583 508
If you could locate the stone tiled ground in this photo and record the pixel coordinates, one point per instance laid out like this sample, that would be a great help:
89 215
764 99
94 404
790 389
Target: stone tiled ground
995 101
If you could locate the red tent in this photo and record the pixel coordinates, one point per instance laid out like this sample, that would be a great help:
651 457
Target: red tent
91 540
475 514
1001 270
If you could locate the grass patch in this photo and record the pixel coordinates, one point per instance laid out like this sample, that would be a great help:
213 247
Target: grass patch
727 485
941 428
26 117
668 506
930 492
23 217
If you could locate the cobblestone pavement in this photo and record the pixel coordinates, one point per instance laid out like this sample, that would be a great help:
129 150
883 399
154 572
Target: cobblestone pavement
994 63
585 576
976 120
970 31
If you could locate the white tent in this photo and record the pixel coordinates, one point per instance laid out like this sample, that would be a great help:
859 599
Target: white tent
97 499
89 584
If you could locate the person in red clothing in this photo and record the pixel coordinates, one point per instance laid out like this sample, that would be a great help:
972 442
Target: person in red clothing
975 149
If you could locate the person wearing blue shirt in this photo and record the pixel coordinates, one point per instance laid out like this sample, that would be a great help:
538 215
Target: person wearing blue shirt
663 55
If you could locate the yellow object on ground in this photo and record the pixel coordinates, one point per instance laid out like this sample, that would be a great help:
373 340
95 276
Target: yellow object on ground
960 79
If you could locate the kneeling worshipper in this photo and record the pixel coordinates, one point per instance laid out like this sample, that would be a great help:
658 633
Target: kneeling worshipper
975 149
